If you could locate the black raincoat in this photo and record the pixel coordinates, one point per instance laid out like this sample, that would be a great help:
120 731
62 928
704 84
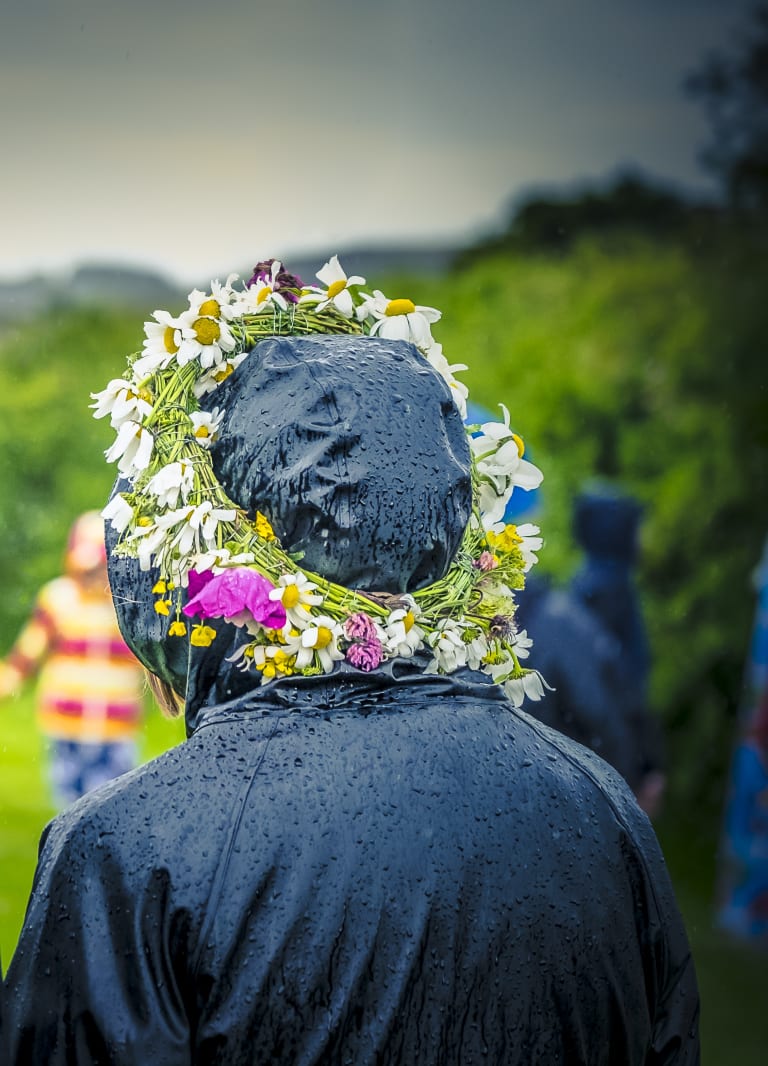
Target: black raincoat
384 868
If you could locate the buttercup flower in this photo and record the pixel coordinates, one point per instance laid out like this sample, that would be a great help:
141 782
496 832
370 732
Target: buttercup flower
524 538
202 636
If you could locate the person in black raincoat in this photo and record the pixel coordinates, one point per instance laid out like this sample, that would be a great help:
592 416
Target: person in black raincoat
391 867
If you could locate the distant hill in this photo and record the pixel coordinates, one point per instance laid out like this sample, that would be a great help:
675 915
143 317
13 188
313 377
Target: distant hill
121 286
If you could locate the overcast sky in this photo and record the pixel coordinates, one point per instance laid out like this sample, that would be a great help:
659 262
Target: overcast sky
198 138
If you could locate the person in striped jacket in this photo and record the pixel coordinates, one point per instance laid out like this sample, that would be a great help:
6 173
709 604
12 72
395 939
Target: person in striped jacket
89 685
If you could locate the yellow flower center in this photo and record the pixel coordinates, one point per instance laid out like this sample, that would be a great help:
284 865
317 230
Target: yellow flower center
408 621
520 446
263 294
169 340
399 307
291 596
324 637
202 431
210 307
206 330
335 288
223 374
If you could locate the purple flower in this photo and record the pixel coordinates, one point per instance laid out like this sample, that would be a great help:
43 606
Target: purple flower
233 592
486 562
365 655
198 581
285 283
360 627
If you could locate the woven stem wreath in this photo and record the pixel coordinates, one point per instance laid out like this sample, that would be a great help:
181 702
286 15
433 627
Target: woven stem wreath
178 520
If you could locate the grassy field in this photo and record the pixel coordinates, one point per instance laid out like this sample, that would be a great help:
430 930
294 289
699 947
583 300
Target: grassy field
732 977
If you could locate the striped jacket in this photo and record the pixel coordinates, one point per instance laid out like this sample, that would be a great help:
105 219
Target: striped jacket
89 683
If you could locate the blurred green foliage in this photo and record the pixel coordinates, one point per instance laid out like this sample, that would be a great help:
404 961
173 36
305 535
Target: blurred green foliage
645 361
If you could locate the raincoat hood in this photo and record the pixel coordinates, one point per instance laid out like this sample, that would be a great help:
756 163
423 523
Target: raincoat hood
355 451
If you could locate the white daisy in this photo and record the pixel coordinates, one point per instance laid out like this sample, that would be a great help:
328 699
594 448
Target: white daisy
399 319
498 455
123 401
319 640
205 338
171 482
262 295
531 684
161 346
214 377
194 528
402 635
118 513
297 595
459 391
477 649
150 545
336 291
206 425
132 449
448 648
219 559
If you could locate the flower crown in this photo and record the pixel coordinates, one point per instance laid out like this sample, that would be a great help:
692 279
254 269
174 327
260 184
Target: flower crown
178 519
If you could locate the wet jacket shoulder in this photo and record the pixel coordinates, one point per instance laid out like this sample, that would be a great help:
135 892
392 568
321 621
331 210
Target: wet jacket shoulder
419 875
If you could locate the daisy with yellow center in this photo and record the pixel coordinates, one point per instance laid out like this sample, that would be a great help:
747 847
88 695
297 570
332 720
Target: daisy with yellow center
297 595
337 292
402 634
317 643
399 319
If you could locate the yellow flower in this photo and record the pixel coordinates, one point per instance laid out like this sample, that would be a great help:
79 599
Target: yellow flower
163 606
505 541
202 636
263 528
177 629
160 588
